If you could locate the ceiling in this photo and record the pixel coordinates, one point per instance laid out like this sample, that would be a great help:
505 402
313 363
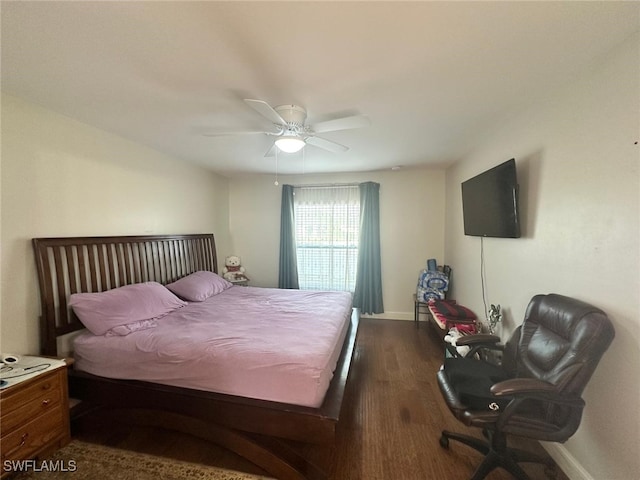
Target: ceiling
433 77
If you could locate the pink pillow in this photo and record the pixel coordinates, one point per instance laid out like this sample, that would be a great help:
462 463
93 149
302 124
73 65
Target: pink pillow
100 312
124 330
199 286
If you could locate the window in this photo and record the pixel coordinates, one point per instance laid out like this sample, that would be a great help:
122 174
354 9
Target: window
327 223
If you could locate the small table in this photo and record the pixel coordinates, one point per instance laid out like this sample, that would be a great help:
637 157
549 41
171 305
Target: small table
417 306
35 410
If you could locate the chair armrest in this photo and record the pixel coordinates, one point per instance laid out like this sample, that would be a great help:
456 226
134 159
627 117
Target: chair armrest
519 386
478 339
534 389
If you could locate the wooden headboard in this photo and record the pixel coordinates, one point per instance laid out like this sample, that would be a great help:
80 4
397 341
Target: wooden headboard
95 264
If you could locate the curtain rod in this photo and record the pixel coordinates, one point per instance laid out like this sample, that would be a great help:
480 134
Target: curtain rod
323 185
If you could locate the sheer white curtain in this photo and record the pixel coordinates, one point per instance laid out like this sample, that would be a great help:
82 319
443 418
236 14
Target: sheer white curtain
327 223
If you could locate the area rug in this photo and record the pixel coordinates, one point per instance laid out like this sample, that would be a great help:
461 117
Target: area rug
88 461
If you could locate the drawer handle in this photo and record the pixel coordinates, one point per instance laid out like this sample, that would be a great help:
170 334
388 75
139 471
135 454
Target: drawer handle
46 386
46 402
23 441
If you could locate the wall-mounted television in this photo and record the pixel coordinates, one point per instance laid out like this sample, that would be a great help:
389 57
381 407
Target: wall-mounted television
490 203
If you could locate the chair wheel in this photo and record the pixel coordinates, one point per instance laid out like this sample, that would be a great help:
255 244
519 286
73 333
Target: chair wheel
444 442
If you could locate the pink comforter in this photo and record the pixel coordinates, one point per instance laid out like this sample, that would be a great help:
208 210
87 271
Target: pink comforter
271 344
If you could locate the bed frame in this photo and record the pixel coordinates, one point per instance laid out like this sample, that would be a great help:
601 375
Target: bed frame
266 433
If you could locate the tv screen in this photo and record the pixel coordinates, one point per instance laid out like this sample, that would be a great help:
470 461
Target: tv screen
490 203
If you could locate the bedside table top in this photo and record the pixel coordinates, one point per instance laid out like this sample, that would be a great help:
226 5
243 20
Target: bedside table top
25 368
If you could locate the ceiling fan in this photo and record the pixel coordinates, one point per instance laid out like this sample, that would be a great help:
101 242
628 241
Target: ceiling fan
292 133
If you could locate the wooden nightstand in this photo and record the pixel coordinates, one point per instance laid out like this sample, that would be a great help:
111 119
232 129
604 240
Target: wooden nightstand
34 416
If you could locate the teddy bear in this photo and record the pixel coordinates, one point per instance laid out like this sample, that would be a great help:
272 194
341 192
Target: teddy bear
232 270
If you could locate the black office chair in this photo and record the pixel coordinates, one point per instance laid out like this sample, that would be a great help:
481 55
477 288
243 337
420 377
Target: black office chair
536 390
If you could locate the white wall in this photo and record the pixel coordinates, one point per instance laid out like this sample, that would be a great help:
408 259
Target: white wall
411 227
577 159
64 178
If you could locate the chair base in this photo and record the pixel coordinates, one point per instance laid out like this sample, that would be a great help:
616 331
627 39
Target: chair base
497 454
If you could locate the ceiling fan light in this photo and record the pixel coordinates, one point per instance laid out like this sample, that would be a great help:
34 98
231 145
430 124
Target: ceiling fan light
290 144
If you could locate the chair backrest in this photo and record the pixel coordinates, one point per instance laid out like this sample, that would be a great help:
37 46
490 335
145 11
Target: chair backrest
561 341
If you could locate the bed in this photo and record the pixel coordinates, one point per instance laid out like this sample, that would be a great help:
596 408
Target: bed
267 431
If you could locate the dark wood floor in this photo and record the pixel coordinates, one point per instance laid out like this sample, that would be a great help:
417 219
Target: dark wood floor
391 419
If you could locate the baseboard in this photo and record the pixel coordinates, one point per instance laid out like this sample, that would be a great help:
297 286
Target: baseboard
566 462
389 315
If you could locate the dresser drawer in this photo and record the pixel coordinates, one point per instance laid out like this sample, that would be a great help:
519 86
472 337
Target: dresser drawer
31 437
44 395
13 398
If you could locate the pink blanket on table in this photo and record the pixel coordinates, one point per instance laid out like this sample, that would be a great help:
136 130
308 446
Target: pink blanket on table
265 343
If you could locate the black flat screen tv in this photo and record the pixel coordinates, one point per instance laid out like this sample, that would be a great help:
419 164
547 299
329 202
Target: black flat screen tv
490 203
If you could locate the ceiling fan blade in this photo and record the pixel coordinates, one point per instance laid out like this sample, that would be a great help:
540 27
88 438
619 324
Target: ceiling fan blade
345 123
326 144
271 152
223 134
264 109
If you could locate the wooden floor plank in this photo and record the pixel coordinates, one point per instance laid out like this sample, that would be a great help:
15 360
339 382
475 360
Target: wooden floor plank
390 426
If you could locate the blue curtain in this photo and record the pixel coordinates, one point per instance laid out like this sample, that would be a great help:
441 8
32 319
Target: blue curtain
288 271
368 294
